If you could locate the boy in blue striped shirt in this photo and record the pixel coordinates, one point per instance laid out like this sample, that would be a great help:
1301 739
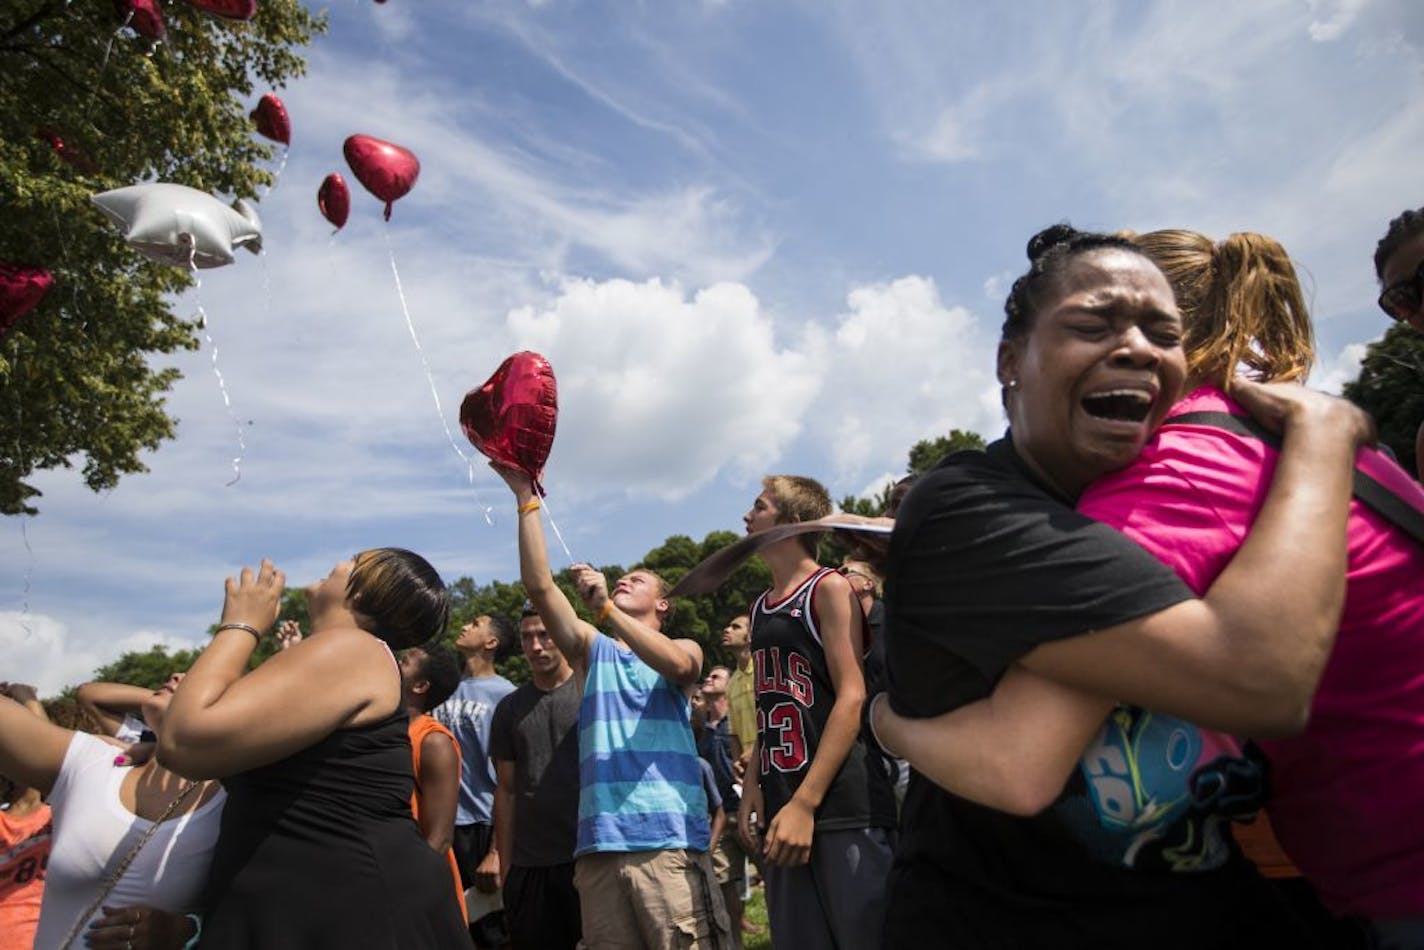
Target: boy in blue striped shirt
641 865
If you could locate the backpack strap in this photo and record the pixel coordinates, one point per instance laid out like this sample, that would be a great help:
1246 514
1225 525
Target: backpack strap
1367 490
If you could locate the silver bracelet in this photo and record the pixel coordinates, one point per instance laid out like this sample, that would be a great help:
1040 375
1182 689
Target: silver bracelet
239 626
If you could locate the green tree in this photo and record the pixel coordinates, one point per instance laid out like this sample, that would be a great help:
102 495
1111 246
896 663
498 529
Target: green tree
872 507
926 453
702 618
146 668
1390 387
77 374
495 599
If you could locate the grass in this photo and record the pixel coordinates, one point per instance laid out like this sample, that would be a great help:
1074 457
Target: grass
755 911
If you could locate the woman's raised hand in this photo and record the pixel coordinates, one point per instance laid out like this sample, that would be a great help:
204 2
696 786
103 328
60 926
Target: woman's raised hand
254 599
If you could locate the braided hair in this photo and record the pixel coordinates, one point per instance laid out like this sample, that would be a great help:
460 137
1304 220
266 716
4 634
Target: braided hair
1049 253
1401 230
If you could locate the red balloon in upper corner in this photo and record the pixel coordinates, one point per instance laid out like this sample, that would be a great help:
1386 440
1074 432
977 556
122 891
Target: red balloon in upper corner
145 16
385 169
511 418
228 9
272 119
334 200
21 290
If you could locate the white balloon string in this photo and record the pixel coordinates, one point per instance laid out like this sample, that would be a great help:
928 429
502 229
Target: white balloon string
486 510
276 175
558 534
222 384
104 65
429 376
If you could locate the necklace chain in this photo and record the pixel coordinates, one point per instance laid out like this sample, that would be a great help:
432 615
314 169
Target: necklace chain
113 877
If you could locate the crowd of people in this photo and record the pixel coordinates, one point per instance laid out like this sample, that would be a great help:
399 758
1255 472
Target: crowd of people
1182 590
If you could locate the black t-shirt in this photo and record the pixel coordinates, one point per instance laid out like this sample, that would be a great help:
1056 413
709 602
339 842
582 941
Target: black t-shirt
984 565
538 732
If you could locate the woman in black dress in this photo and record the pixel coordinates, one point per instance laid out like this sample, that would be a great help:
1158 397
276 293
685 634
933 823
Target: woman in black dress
318 847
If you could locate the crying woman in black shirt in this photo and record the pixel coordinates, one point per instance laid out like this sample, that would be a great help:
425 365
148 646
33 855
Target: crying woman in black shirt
1012 620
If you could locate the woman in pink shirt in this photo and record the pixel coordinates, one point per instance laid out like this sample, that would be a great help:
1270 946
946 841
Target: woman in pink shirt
1347 790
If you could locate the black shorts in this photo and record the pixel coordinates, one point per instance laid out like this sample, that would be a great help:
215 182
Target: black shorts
472 843
542 907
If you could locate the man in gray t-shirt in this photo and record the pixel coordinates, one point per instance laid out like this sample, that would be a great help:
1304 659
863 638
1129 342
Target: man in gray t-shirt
534 744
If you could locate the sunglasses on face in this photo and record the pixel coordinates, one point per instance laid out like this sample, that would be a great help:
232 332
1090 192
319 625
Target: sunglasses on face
1404 298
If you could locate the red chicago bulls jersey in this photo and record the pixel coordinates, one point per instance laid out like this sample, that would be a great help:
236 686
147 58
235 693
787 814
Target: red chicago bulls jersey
794 696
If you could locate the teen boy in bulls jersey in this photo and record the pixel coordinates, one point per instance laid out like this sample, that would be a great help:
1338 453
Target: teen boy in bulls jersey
823 798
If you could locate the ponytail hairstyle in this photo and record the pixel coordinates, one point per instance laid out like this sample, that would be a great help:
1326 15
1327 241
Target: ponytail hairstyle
1401 230
1242 306
1049 253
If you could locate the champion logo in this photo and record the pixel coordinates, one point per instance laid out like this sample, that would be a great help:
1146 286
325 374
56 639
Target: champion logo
795 611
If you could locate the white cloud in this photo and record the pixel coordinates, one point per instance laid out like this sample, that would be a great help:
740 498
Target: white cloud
996 286
1336 16
1333 374
395 22
511 194
660 391
47 654
878 484
956 135
901 366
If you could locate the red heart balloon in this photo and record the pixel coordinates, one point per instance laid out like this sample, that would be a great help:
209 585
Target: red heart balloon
145 16
511 418
21 290
386 170
272 121
228 9
334 200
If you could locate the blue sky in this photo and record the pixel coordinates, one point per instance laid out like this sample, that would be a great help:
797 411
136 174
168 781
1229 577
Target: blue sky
750 237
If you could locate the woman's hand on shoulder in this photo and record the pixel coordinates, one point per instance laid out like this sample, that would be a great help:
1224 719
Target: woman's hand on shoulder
1278 406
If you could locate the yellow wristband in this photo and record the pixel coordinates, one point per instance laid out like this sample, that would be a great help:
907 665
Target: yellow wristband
603 612
530 505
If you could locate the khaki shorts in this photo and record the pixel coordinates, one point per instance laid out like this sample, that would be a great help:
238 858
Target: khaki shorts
729 862
661 900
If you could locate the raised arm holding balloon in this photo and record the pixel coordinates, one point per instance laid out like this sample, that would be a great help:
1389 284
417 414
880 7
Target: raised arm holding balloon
648 849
